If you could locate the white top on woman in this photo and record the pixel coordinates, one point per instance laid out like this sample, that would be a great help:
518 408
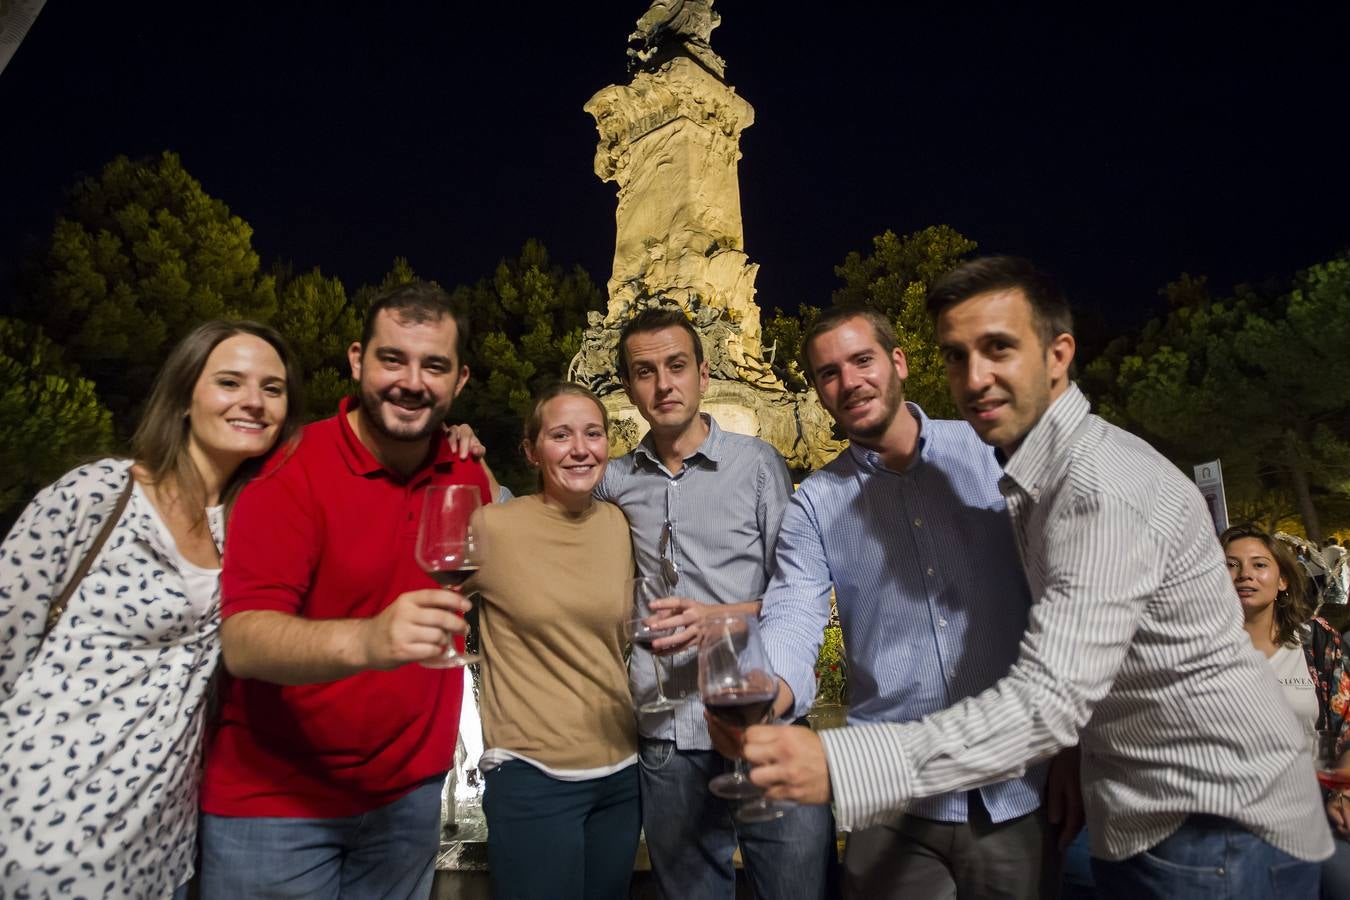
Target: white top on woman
101 721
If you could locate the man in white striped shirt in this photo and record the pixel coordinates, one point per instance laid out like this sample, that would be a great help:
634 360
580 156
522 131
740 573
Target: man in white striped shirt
1195 778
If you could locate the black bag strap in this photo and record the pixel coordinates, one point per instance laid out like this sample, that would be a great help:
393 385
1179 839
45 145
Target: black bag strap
58 606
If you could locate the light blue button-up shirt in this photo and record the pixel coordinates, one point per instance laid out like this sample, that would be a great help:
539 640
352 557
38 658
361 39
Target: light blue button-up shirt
724 507
931 595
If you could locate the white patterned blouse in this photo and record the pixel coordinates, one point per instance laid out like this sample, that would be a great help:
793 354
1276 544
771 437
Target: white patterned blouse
101 723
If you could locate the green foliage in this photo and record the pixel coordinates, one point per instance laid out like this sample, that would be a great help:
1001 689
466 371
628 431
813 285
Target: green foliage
831 668
141 255
784 333
1256 380
320 323
50 419
526 325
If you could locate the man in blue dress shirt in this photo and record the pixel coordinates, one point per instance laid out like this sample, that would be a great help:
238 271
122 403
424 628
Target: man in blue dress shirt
909 528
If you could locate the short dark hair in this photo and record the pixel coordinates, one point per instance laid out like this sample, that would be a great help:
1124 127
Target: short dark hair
417 302
835 316
657 318
1050 311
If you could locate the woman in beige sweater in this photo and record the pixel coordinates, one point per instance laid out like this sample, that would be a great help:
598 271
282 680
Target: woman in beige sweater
558 725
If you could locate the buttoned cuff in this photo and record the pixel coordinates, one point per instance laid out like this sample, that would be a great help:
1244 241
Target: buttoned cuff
870 776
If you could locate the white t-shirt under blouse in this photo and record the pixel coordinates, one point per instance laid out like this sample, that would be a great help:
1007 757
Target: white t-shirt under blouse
1291 670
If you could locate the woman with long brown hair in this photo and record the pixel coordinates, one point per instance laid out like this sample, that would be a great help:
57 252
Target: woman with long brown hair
1304 651
109 612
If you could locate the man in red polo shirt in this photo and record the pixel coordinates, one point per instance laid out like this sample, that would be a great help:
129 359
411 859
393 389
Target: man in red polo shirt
324 777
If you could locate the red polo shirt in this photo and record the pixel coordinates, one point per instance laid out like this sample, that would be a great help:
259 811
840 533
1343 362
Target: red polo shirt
328 533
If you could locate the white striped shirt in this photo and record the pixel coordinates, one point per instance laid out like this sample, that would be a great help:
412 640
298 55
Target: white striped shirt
1135 647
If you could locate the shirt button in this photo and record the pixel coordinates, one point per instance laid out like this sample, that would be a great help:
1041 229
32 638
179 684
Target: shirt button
951 673
930 570
917 522
942 623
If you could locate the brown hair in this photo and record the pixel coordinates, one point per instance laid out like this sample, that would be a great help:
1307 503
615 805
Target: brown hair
160 444
656 318
1293 605
836 316
417 302
1050 311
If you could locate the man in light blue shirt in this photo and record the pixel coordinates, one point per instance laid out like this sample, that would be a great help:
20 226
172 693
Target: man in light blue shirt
909 528
705 503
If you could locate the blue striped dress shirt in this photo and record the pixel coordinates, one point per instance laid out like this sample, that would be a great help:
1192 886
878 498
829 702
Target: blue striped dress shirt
724 506
930 590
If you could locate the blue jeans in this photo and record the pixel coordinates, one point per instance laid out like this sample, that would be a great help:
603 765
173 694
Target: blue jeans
387 852
1208 857
691 835
1336 871
560 839
1076 871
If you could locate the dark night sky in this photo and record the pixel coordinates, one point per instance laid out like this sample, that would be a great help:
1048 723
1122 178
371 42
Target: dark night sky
1116 149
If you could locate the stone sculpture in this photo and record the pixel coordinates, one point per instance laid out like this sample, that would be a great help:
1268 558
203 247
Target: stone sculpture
670 141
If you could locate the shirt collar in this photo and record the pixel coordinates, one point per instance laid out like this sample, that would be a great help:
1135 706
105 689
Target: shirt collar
362 462
1030 465
710 449
871 459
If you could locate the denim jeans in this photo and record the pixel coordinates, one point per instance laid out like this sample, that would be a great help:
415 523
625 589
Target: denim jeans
1208 857
387 852
560 839
691 835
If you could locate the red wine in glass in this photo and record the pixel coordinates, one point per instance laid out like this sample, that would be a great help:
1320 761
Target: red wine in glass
645 627
451 579
449 549
740 707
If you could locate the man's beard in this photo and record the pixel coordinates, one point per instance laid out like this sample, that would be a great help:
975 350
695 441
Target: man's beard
891 400
372 405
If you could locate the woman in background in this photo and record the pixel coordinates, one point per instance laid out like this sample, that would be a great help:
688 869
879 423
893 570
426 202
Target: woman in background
101 717
1305 653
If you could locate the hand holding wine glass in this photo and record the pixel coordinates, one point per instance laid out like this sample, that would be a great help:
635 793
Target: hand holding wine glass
450 550
738 688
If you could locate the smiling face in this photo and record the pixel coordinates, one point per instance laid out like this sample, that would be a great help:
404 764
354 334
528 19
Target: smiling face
409 375
860 384
1256 574
1002 375
238 403
664 379
570 450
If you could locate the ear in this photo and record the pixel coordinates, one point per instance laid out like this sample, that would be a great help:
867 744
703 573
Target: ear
1059 356
901 364
528 449
703 377
462 380
354 358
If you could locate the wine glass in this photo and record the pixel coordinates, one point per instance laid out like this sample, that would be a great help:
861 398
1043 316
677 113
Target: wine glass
645 627
450 549
738 688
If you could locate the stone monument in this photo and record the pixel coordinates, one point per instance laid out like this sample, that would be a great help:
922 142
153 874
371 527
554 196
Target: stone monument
670 140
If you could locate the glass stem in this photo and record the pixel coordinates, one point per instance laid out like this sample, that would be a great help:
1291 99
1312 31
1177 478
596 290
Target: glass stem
656 666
